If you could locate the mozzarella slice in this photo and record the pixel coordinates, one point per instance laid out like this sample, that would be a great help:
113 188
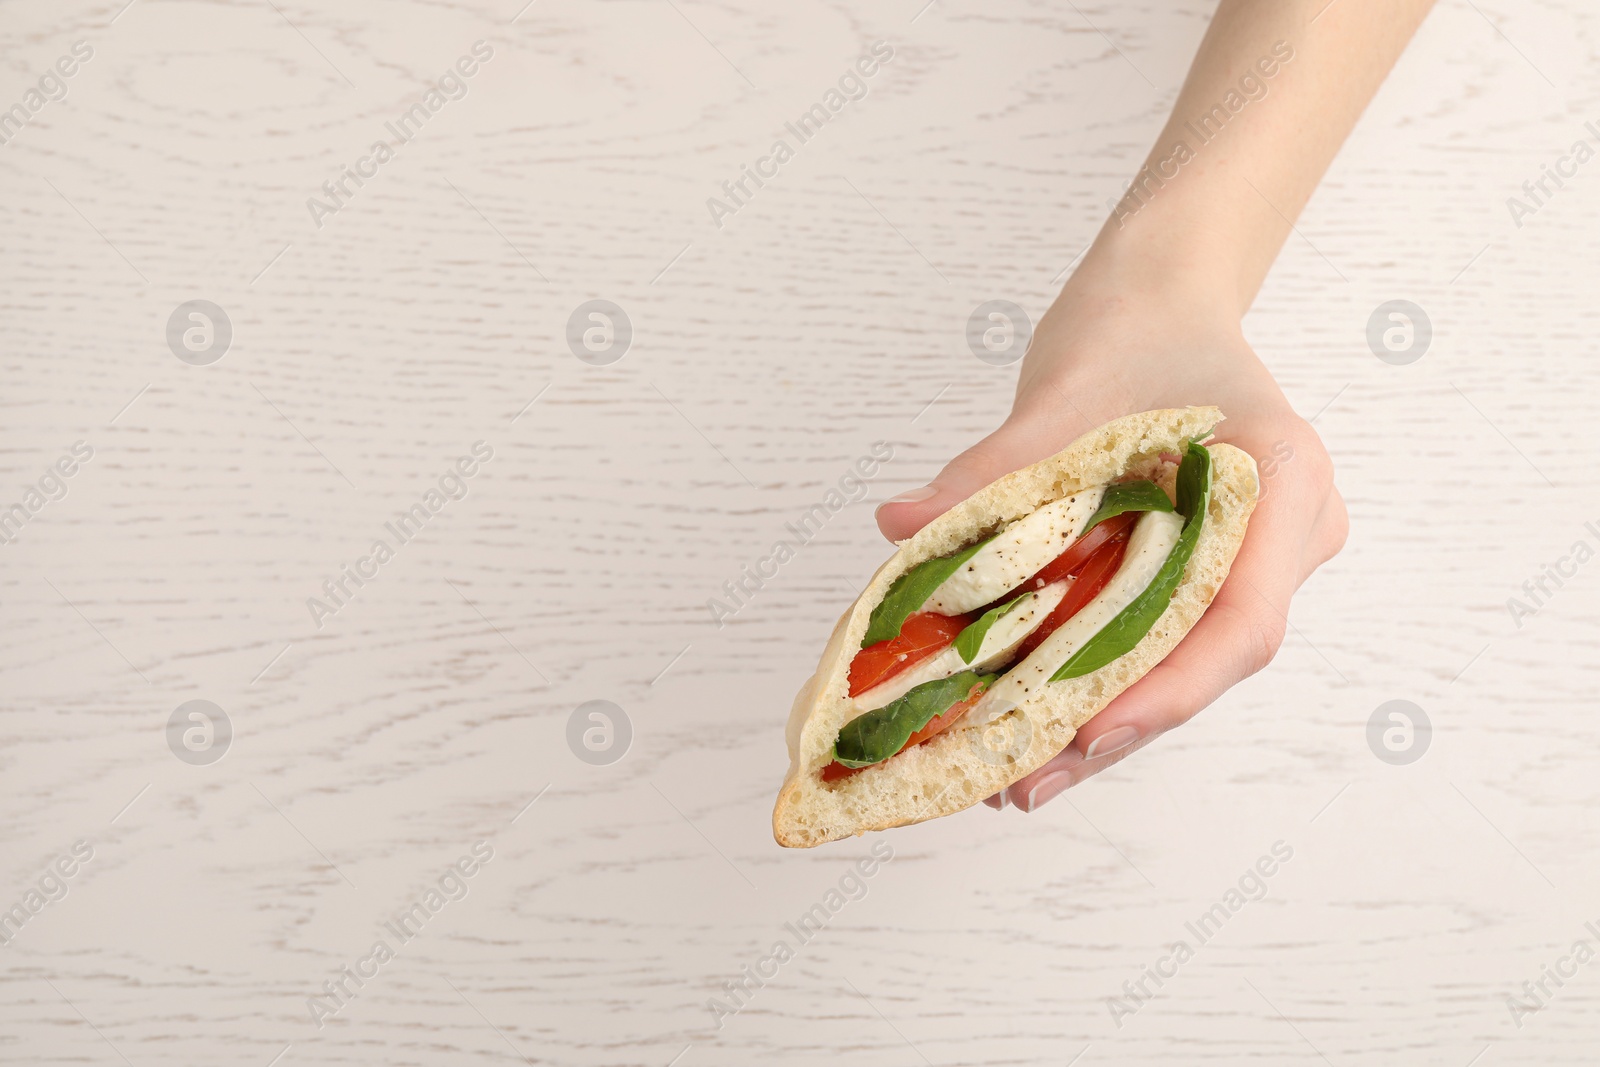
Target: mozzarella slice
1020 551
1152 541
941 665
1008 631
1012 628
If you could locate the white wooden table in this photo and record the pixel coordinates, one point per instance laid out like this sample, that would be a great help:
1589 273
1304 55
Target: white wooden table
427 713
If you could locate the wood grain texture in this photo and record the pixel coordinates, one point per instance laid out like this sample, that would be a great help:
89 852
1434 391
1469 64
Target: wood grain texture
826 314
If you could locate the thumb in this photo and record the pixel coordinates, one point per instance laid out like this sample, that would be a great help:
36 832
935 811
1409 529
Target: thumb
1007 449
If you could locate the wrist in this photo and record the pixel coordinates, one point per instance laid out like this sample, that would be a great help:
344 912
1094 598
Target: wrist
1145 305
1175 260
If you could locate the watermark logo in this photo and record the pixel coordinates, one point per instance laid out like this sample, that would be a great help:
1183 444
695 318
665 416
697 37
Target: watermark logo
199 732
51 87
1551 577
1537 993
452 85
1399 332
850 886
1399 732
48 888
851 87
404 528
1249 887
1005 739
1268 466
753 577
999 332
399 929
50 487
1538 190
199 332
599 332
599 732
1205 128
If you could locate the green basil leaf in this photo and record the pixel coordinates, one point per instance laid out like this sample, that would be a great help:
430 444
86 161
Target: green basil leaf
910 591
1129 496
1194 483
1119 636
968 641
877 735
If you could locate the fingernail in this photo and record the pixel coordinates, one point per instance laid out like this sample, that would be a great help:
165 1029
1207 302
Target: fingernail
1050 786
1111 741
911 496
997 801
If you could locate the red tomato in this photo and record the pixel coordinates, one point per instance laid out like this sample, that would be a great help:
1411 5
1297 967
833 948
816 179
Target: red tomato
938 724
922 635
836 770
1094 576
1080 550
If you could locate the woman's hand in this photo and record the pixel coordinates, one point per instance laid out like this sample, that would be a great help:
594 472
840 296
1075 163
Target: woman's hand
1151 320
1111 346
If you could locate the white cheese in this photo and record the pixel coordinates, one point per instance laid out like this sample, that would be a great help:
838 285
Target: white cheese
1152 541
941 665
1008 631
1016 554
1012 628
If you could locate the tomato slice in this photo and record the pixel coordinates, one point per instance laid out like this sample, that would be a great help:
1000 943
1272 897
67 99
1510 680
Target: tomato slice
1095 576
1078 553
836 770
923 634
936 725
940 723
1090 562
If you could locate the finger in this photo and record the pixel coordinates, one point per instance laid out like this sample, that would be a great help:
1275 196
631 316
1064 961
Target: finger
1226 646
1017 443
901 516
1236 637
1328 534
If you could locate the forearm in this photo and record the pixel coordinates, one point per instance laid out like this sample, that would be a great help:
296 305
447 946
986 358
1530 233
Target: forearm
1270 98
1151 321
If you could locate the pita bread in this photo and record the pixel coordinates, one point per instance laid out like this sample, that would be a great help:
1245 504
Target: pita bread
966 763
